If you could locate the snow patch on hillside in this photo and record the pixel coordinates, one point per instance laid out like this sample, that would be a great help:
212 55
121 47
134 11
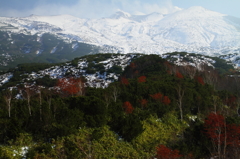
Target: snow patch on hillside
5 78
232 58
75 46
98 80
103 78
53 50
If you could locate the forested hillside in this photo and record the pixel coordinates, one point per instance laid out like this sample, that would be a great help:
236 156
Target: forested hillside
154 110
45 48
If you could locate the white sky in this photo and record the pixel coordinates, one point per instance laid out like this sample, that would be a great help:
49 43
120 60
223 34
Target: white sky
105 8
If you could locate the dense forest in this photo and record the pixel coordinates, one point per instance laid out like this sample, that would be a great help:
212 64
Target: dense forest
155 110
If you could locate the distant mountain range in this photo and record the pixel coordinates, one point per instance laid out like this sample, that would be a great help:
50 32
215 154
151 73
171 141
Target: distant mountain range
193 30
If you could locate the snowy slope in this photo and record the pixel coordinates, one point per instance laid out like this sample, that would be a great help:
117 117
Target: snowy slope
195 30
102 67
233 58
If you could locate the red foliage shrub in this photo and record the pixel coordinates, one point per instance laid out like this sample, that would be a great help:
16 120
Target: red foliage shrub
179 75
164 152
217 130
200 80
143 102
132 65
166 100
70 85
189 156
233 135
214 126
124 81
142 79
230 101
157 96
168 67
136 72
128 107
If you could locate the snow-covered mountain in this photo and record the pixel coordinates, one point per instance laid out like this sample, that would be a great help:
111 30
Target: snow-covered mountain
195 30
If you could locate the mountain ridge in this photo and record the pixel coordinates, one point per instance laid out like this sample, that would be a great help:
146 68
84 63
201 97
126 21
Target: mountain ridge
100 70
195 29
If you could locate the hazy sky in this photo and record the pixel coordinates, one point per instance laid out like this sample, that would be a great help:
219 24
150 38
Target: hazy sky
105 8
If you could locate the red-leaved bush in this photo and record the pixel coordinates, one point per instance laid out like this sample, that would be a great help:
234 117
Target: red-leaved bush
179 75
132 65
71 85
164 152
230 101
214 126
166 100
157 96
141 79
200 80
136 72
128 107
220 132
143 102
124 81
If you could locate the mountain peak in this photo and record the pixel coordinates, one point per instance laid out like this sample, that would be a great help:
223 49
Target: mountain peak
200 11
120 14
195 29
155 16
197 8
32 15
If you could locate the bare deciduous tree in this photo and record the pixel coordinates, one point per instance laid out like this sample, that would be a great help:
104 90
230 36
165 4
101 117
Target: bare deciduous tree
190 71
81 87
180 93
8 98
28 93
115 93
39 91
211 78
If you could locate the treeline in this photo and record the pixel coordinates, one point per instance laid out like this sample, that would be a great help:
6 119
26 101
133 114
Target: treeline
156 109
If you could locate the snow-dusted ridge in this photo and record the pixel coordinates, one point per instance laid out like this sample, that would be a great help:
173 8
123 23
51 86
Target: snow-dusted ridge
195 61
195 30
102 69
232 58
97 79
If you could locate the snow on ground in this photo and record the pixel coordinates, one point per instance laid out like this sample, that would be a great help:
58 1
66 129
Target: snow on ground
53 50
5 78
75 46
103 79
38 52
22 152
232 58
93 80
195 60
